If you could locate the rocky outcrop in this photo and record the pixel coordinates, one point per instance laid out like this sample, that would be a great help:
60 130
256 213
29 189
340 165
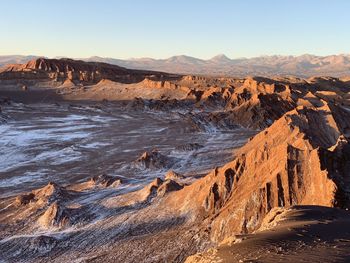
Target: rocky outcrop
168 186
212 121
254 102
104 180
77 71
97 182
56 215
153 160
49 207
50 193
172 175
158 188
259 102
163 84
24 199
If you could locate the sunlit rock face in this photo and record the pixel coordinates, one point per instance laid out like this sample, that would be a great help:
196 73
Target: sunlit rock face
299 160
280 167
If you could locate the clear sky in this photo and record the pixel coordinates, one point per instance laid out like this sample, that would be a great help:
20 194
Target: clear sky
163 28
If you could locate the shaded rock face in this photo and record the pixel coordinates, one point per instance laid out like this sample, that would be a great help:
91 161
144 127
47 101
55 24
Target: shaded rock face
76 70
163 104
213 121
24 199
168 186
59 216
259 102
159 188
56 215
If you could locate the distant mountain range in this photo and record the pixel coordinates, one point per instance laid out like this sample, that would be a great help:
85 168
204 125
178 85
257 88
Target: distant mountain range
302 66
15 59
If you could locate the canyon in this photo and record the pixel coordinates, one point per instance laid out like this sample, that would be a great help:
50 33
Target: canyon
105 163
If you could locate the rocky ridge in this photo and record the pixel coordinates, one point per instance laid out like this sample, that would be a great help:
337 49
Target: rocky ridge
297 160
75 71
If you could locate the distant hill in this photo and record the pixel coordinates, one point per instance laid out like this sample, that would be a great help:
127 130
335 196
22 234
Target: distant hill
15 59
302 66
76 70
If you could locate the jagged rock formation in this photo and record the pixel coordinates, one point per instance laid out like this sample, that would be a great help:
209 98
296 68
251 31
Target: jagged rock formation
105 181
68 70
55 215
168 186
44 196
153 159
300 159
97 182
253 102
172 175
157 188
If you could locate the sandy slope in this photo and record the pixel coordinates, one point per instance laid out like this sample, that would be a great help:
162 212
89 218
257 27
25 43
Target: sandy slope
299 234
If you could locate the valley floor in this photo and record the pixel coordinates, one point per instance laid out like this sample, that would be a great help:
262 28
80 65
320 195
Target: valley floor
114 217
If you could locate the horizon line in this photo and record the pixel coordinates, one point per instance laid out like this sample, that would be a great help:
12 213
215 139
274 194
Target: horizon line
174 56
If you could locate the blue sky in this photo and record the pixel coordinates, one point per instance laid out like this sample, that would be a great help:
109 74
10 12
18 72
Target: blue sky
163 28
